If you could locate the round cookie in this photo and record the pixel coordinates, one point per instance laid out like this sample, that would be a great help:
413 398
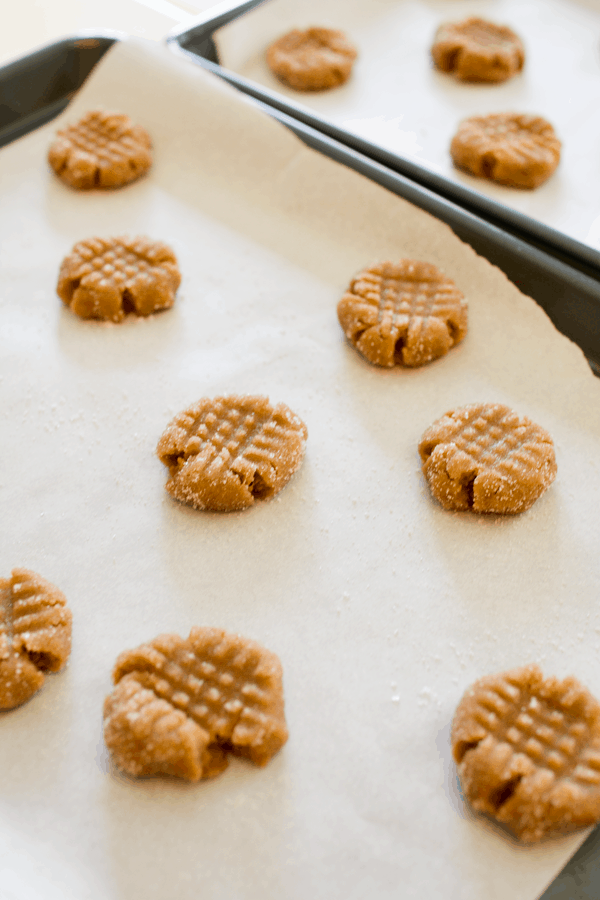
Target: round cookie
102 150
181 705
405 313
313 60
528 752
487 459
106 278
514 149
35 635
225 453
478 50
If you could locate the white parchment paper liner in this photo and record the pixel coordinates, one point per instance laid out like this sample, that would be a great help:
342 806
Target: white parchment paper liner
397 100
382 607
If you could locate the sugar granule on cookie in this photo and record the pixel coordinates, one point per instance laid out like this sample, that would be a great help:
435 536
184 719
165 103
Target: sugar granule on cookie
180 706
406 313
106 278
102 150
512 149
313 60
488 459
527 750
478 50
35 635
225 453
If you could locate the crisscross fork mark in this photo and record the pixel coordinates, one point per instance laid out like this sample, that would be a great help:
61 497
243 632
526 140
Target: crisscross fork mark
251 435
199 686
221 427
23 609
503 445
402 297
6 608
546 732
487 36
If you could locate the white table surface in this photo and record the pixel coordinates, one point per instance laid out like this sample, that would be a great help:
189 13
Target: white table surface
28 24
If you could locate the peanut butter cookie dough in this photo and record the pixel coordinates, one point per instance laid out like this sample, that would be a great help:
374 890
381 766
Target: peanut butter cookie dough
102 150
528 752
513 149
181 705
406 313
106 278
35 635
488 459
478 50
225 453
313 60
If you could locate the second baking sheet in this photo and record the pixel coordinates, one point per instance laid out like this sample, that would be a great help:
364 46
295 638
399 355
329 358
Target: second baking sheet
397 100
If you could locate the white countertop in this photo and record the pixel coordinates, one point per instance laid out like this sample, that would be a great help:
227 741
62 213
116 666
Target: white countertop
33 23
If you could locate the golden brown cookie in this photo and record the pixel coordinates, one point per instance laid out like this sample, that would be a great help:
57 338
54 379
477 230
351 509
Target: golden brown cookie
406 313
313 60
510 148
103 150
528 752
106 278
35 635
477 50
224 454
180 706
486 458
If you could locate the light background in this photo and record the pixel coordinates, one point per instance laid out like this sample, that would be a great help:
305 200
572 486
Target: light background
28 24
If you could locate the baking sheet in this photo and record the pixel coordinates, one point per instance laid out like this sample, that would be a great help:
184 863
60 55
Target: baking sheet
397 100
382 607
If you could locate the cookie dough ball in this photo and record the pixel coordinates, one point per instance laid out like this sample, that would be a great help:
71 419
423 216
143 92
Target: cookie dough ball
488 459
35 635
106 278
313 60
406 313
527 750
102 150
225 453
181 705
513 149
477 50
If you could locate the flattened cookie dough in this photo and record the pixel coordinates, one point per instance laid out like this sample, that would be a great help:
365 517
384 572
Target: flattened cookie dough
478 50
313 60
180 706
528 752
510 148
102 150
406 313
35 635
488 459
106 278
225 453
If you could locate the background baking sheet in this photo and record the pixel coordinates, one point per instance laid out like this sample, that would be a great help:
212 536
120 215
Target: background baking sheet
382 607
398 101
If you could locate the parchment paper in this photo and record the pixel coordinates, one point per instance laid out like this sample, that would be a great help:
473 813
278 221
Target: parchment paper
382 607
396 99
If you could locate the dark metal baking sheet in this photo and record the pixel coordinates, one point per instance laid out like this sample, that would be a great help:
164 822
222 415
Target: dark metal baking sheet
567 288
33 90
37 87
198 40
